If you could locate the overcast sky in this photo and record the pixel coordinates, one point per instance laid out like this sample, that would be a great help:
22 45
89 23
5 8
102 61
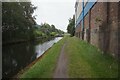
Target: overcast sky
56 12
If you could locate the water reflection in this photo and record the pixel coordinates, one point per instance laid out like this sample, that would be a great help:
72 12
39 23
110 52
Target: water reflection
16 57
40 49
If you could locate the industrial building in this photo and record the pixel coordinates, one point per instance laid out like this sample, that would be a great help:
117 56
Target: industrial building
98 23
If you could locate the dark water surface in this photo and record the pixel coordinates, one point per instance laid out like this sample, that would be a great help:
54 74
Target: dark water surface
18 56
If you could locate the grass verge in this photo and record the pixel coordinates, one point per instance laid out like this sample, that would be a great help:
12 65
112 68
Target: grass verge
44 68
86 61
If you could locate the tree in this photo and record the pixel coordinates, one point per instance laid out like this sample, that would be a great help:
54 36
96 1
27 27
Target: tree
53 28
71 26
17 21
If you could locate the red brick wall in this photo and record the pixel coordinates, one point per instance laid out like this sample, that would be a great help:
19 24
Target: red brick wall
78 30
103 21
104 27
98 20
86 26
113 27
118 29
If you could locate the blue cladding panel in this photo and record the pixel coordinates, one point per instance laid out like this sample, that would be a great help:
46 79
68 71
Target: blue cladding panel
79 18
88 6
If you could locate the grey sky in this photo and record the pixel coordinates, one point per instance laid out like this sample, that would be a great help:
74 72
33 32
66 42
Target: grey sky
54 12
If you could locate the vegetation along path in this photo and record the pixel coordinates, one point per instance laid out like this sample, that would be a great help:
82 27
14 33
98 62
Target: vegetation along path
77 58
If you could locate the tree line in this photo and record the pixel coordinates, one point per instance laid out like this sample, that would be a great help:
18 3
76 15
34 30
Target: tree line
71 26
45 31
18 23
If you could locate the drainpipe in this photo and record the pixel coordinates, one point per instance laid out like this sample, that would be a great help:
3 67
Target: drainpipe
83 21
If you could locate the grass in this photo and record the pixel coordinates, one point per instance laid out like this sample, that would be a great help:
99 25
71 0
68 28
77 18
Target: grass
86 61
44 68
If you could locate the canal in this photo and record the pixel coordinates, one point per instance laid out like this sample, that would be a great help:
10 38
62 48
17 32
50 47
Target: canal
17 56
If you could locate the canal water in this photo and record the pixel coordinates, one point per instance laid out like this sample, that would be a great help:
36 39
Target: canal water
17 56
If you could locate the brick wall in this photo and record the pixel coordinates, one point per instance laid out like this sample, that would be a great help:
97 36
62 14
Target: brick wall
118 30
113 27
78 30
98 21
86 25
104 27
101 26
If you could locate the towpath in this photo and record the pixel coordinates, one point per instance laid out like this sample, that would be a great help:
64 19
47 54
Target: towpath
61 68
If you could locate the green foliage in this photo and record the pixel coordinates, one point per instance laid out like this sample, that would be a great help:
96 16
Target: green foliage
38 33
17 21
46 30
53 33
71 26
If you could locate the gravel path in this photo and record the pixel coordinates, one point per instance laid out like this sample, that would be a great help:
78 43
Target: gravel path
61 68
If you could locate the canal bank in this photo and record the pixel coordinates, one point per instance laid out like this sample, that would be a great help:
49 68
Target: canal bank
44 68
22 54
30 65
